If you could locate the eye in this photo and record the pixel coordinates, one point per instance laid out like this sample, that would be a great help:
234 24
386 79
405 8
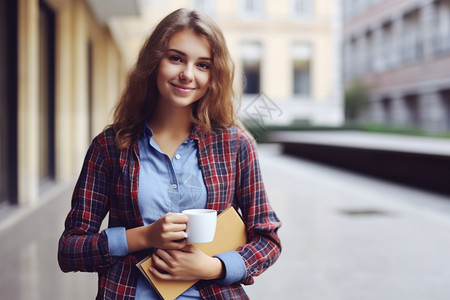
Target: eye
204 66
175 58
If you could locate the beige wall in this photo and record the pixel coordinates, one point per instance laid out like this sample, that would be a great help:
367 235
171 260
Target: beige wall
277 31
75 27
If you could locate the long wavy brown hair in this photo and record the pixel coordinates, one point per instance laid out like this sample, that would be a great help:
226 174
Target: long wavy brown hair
215 108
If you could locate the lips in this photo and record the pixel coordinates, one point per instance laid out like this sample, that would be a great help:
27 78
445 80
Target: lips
182 89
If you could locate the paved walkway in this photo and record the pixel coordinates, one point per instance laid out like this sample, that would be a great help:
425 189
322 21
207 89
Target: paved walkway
345 237
348 237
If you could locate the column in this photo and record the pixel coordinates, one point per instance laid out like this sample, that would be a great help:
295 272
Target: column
433 112
79 103
28 106
64 93
377 113
427 17
400 116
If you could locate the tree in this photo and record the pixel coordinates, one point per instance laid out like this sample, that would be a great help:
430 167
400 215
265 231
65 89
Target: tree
356 99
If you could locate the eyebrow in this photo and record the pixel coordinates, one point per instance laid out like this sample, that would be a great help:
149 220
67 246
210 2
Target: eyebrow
184 54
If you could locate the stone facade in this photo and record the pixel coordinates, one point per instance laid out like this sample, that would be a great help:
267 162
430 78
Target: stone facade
402 50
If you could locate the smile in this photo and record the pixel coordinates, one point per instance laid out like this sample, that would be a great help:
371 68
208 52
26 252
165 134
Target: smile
182 89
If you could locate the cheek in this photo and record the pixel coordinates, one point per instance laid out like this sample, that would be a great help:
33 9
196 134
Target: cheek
164 74
204 80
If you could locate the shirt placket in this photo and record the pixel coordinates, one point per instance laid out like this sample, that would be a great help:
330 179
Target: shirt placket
174 188
176 167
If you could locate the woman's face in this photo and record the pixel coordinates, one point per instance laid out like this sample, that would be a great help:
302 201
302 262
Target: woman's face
184 71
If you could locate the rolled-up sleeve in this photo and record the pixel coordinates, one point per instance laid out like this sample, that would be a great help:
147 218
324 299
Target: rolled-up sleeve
117 241
234 265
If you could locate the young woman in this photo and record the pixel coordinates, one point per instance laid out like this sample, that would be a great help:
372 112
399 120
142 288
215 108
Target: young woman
174 145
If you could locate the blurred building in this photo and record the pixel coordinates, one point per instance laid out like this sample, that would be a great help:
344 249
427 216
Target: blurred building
401 48
61 72
288 49
63 65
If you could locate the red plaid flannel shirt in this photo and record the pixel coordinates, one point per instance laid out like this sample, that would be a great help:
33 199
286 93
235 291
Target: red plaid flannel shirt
109 183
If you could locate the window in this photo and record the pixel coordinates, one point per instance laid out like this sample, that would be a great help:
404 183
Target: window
412 45
252 8
302 56
251 62
206 6
8 101
388 51
46 93
442 24
302 7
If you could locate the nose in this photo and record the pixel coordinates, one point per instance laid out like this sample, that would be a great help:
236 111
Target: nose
187 73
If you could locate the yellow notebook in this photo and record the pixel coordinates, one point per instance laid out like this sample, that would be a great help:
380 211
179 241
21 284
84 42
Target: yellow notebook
230 235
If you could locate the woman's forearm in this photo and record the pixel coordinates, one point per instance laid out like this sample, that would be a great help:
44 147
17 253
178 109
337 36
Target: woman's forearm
137 239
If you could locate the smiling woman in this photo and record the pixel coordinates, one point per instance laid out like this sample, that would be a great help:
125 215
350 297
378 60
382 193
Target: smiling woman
141 93
174 145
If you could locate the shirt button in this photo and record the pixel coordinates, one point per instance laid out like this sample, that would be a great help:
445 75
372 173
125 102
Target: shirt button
178 156
174 186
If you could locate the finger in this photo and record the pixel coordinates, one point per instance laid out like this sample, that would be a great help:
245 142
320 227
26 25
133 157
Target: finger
160 261
164 254
173 227
172 236
160 275
176 235
177 218
176 227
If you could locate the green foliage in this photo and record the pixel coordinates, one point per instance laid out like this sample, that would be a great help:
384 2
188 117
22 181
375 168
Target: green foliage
356 99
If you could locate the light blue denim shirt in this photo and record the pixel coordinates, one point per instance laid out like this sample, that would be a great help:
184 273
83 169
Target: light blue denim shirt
174 186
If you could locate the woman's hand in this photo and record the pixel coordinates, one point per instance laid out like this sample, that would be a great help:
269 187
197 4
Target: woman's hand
168 232
189 263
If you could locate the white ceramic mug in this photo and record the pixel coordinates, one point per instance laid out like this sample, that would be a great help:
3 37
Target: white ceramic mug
201 225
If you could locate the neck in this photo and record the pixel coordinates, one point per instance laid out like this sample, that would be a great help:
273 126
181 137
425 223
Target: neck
174 122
